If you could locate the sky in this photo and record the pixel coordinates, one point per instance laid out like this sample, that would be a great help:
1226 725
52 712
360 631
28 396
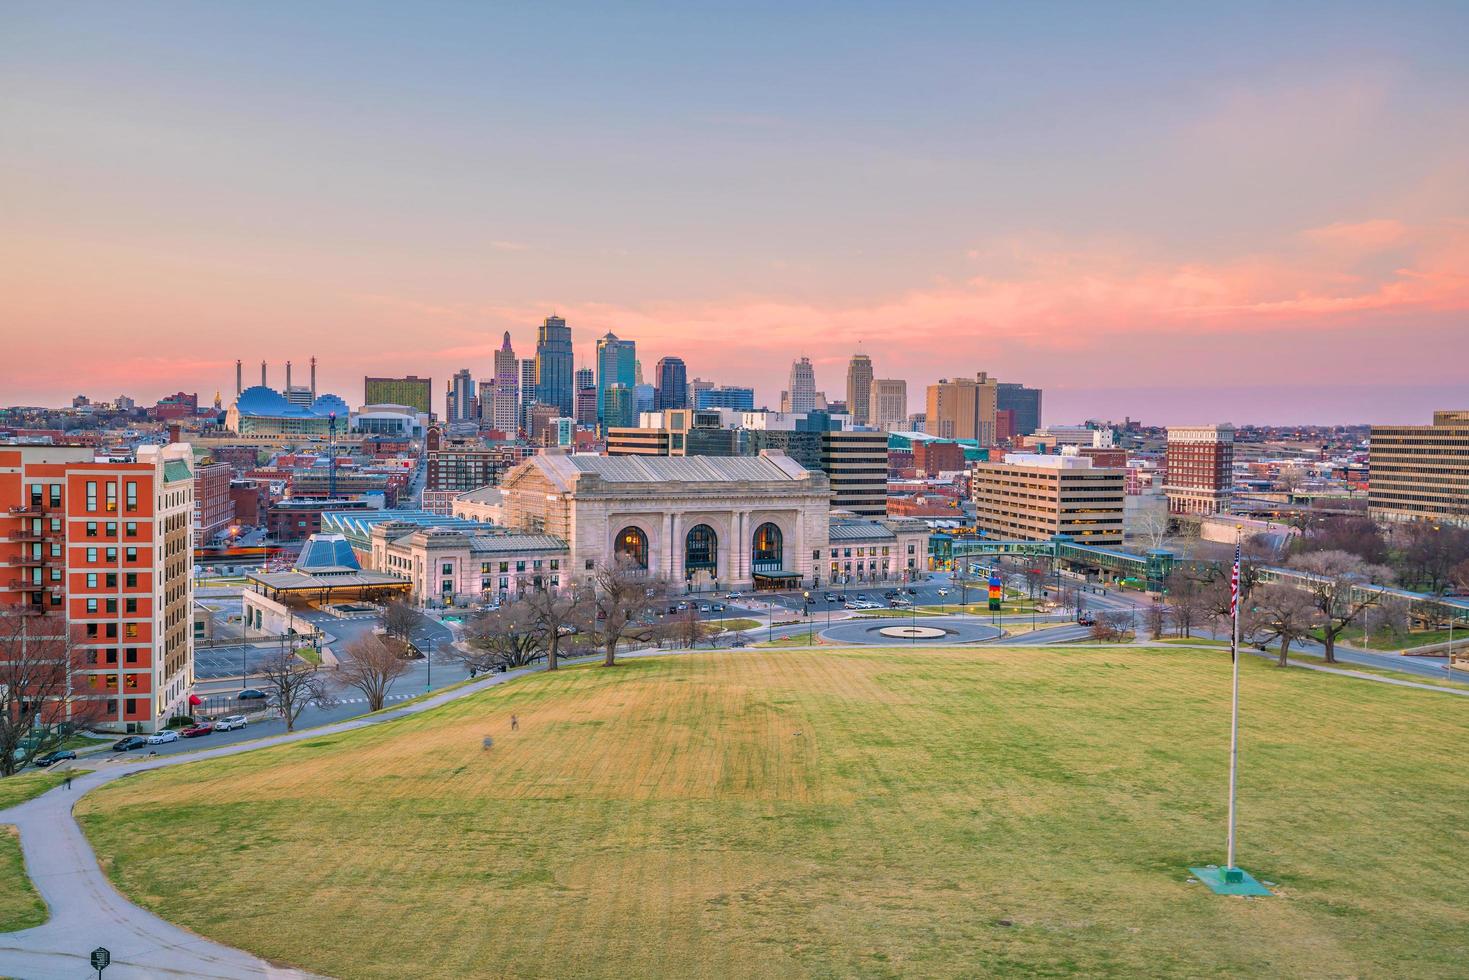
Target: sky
1174 212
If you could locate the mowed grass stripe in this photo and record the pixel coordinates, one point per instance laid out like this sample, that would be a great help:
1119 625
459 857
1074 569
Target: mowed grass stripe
664 818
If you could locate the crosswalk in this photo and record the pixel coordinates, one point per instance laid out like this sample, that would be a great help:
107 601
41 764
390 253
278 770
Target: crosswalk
390 697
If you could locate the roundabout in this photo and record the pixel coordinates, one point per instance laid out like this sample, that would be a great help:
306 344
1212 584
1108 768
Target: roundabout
885 632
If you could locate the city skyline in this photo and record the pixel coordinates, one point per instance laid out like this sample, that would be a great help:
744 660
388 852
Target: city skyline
1167 225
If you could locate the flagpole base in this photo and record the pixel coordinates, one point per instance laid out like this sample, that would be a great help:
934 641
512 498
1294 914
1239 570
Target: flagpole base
1229 881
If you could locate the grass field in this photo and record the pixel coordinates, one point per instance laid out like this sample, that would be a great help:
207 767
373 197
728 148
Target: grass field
20 906
26 785
831 813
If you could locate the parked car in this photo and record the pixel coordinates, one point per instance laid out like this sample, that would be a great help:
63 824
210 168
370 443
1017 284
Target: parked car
890 594
717 607
129 742
833 597
898 601
194 731
230 722
51 758
250 694
1085 620
160 738
703 607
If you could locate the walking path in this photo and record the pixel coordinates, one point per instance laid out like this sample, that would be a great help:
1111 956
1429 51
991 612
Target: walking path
87 912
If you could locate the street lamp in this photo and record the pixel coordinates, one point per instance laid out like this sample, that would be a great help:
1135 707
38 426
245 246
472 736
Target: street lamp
428 659
943 595
806 611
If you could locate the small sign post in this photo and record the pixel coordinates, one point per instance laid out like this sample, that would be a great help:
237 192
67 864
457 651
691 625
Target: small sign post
100 958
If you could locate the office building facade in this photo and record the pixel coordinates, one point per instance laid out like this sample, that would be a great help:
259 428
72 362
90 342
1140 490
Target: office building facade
1200 468
505 410
888 404
963 408
461 402
725 396
555 363
1032 497
616 366
1421 472
1023 403
859 389
801 389
672 380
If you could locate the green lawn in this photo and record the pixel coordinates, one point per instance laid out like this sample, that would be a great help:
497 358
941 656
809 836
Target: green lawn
20 906
1352 636
25 785
832 813
730 625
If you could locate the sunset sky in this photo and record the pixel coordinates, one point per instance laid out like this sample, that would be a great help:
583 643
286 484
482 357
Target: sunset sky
1175 212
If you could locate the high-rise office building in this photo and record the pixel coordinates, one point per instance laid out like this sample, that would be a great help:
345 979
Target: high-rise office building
1032 497
963 409
1200 468
504 413
586 407
585 378
103 551
857 464
672 381
859 389
888 404
1023 403
801 391
619 406
616 365
555 362
413 391
725 396
460 401
484 401
1420 472
527 392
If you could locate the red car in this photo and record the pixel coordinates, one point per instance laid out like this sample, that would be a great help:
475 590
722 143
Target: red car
194 731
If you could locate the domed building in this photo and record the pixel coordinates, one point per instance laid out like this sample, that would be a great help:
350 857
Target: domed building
263 411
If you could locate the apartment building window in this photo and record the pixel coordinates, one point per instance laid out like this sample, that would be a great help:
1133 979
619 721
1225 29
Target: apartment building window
111 498
130 605
37 494
91 580
91 529
131 580
112 605
56 575
132 655
536 564
55 523
91 496
91 605
130 529
112 554
520 566
132 495
91 555
55 495
111 580
130 631
111 529
132 555
555 564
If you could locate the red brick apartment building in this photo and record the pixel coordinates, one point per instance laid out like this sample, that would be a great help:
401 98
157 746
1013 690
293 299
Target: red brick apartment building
103 552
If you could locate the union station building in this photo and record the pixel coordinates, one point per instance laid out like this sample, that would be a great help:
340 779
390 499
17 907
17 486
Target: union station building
700 522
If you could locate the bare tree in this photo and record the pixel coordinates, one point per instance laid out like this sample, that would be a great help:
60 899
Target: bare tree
963 579
1459 575
510 636
1110 627
1336 578
1387 618
44 697
374 664
556 615
1284 613
292 686
1155 617
624 600
400 619
1152 526
687 627
1035 578
1185 603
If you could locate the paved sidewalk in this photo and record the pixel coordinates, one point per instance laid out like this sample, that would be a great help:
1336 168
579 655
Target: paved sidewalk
87 912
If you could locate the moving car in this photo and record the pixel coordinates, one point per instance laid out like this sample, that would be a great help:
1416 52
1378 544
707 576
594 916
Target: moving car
51 758
129 742
732 595
230 722
833 597
194 731
250 694
159 738
1085 620
717 607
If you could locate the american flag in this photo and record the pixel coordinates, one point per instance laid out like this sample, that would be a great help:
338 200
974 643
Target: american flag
1234 584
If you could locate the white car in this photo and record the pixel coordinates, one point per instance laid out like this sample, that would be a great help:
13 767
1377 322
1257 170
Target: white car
230 723
159 738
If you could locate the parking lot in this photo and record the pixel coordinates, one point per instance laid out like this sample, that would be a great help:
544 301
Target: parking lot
219 663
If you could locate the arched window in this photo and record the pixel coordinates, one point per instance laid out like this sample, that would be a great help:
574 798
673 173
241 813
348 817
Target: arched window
768 545
701 548
632 545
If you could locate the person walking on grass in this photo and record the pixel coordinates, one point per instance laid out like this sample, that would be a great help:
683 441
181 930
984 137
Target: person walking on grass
514 723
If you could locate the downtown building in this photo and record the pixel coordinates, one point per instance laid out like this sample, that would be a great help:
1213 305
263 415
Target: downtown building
1200 462
101 553
1033 497
415 392
554 366
963 408
1420 472
859 389
1024 406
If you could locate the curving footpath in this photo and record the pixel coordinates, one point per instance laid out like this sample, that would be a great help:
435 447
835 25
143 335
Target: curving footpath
87 912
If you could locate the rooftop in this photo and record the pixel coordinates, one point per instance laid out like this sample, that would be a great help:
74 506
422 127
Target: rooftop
767 467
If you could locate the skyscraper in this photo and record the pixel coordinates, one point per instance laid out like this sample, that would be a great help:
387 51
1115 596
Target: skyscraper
616 365
585 378
1200 468
554 364
963 409
801 394
859 389
459 401
888 404
504 414
672 381
413 391
527 392
1024 402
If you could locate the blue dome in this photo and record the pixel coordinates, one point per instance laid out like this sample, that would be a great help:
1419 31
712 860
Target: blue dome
326 404
260 400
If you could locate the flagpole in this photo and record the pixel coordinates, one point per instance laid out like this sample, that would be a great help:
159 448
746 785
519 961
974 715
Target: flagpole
1234 711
